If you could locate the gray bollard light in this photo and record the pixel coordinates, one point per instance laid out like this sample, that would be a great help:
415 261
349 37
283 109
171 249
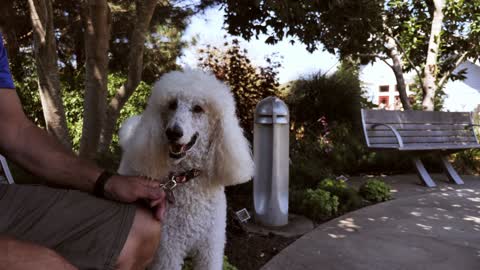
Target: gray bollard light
271 155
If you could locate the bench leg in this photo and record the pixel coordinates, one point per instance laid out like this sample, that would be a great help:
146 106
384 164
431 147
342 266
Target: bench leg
450 171
6 170
422 172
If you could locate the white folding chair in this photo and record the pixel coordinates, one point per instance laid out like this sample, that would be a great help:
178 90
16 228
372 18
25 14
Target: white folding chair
5 171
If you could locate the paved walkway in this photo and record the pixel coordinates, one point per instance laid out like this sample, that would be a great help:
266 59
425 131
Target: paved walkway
420 229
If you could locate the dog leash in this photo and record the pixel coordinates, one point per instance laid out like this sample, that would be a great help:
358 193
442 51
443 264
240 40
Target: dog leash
175 179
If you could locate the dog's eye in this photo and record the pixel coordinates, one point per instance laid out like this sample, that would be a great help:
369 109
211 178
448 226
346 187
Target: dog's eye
172 105
197 109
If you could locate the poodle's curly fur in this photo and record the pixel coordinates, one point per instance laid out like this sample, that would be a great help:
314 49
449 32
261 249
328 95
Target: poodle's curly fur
204 107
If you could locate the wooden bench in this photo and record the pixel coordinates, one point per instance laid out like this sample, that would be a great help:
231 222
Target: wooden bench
5 171
419 132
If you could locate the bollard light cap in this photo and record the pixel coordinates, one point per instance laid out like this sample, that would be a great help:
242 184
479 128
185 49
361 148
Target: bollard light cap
272 110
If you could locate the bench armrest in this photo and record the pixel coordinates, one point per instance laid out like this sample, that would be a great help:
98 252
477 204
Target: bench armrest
395 132
471 126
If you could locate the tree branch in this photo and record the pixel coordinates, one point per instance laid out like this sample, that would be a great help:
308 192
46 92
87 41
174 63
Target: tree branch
144 10
381 57
397 68
386 62
419 74
44 44
449 72
97 24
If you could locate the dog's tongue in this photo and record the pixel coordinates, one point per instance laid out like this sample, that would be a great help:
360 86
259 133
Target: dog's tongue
178 148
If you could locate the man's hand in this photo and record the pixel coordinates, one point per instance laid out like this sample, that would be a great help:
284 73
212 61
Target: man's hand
132 188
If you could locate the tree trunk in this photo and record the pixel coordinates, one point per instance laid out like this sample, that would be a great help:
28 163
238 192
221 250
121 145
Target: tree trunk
45 48
144 12
7 27
431 66
97 24
397 68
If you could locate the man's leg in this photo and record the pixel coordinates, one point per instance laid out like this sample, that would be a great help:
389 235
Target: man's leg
137 252
142 242
90 233
21 255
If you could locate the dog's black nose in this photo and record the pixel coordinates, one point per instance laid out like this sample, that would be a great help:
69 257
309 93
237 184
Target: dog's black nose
174 133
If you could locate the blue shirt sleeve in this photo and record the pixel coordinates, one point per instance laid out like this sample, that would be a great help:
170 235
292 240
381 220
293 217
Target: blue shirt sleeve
5 75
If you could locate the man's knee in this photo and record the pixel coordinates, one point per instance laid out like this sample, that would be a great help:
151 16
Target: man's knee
142 241
25 255
148 231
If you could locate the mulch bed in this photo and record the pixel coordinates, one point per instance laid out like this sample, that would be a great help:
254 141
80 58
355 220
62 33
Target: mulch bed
248 251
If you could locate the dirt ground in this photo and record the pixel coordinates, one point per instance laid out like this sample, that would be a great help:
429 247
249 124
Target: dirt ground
248 251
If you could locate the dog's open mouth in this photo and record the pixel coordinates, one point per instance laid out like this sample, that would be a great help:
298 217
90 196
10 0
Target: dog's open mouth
180 150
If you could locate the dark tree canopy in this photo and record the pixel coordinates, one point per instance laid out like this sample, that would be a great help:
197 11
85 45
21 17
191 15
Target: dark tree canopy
70 46
168 22
340 25
430 37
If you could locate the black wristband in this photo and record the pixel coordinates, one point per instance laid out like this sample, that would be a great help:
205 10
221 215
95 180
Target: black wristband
99 188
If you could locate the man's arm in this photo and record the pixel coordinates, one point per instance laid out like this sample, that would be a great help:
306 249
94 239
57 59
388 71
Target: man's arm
35 150
38 152
30 146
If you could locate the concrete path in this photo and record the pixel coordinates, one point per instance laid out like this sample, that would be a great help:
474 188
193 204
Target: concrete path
420 229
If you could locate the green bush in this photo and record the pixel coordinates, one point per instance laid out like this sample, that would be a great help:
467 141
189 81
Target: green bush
375 190
337 97
226 265
249 83
319 204
348 197
295 201
27 89
305 171
326 137
332 185
25 77
467 162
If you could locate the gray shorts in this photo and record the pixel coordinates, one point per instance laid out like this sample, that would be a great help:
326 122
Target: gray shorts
87 231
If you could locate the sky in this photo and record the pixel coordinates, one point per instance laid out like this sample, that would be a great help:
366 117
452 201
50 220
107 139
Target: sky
296 62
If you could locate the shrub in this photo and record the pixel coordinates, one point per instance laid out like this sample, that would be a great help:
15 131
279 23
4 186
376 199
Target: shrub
295 201
25 77
27 89
375 190
467 162
249 83
319 204
337 97
332 185
305 171
349 199
325 114
226 265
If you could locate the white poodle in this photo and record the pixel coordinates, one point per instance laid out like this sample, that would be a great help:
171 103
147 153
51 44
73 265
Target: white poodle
189 123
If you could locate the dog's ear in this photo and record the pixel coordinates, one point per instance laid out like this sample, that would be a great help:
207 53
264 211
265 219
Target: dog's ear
127 130
233 163
143 148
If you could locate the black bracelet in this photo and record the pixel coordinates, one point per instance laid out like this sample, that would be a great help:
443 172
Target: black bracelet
99 188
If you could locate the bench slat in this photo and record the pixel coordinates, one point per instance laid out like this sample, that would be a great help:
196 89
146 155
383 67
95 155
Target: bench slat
416 117
409 140
425 147
424 133
420 127
419 130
